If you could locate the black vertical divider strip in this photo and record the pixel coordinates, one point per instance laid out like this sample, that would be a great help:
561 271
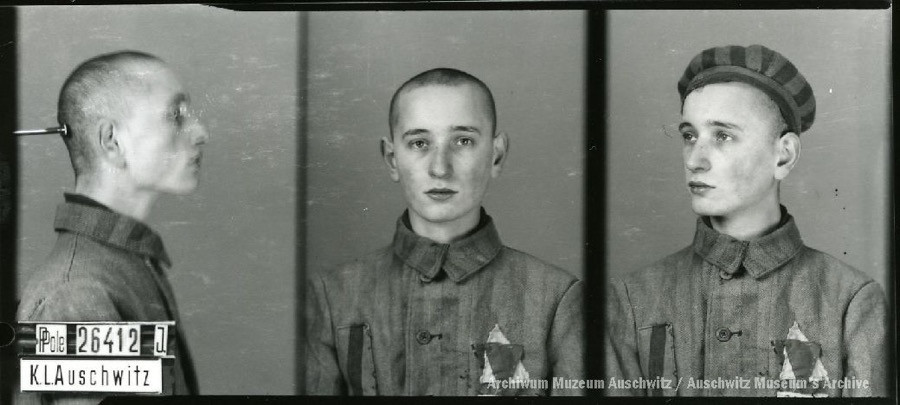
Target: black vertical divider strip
595 194
8 194
300 211
892 289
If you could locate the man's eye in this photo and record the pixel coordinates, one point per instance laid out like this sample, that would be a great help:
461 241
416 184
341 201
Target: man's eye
179 112
689 136
465 141
418 144
723 136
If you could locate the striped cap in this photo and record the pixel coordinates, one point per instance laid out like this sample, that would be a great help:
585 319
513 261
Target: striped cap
760 67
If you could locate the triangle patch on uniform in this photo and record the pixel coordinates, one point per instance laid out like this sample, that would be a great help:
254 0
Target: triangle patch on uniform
501 360
801 360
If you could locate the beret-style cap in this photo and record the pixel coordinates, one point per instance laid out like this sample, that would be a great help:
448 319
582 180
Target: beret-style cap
760 67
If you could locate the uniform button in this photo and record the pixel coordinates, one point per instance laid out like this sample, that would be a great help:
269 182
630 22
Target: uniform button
423 337
723 334
724 275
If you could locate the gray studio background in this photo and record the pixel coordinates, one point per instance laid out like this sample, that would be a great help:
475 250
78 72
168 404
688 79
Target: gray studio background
232 242
838 190
534 64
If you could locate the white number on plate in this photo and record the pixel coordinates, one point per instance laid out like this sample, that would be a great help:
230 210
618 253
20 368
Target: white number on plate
108 340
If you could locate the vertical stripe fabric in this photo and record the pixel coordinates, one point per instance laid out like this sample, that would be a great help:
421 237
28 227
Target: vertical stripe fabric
760 67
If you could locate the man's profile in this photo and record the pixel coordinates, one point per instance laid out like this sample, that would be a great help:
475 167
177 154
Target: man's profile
446 308
747 309
131 137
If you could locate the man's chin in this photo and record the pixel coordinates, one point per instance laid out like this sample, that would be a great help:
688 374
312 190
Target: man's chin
438 218
706 209
437 215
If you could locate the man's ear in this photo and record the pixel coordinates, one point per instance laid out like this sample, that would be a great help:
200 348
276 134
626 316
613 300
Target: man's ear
387 153
788 151
108 138
501 149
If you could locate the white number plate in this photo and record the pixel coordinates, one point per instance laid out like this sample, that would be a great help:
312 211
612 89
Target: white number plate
108 340
91 375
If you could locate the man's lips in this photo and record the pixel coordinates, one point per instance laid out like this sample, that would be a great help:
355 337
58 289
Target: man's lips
440 193
699 186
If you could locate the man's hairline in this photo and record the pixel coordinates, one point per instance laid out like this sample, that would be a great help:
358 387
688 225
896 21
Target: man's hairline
485 92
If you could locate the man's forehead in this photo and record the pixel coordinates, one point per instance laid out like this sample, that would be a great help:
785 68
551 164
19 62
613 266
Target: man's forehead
735 100
425 99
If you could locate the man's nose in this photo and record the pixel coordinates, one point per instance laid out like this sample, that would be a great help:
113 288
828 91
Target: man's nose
199 135
696 157
440 166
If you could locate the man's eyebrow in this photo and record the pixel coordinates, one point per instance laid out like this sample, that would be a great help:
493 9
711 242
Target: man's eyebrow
726 125
464 128
414 131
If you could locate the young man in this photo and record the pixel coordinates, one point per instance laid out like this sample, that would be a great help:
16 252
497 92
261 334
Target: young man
747 309
130 138
446 309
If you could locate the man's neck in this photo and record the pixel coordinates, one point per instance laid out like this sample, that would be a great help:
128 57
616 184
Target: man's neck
750 224
444 232
116 196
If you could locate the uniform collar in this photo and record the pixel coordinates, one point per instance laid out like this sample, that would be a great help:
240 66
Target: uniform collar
459 259
83 216
759 256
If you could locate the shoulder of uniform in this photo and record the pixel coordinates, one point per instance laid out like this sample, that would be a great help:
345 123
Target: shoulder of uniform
536 266
353 271
664 266
833 270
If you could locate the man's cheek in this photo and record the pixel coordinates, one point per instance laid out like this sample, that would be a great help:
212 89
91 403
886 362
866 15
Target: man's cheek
170 158
751 176
405 175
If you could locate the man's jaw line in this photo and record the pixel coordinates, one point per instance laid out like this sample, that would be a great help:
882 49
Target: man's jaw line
748 224
117 193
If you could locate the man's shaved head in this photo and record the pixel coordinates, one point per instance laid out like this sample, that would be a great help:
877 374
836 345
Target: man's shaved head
444 77
99 88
